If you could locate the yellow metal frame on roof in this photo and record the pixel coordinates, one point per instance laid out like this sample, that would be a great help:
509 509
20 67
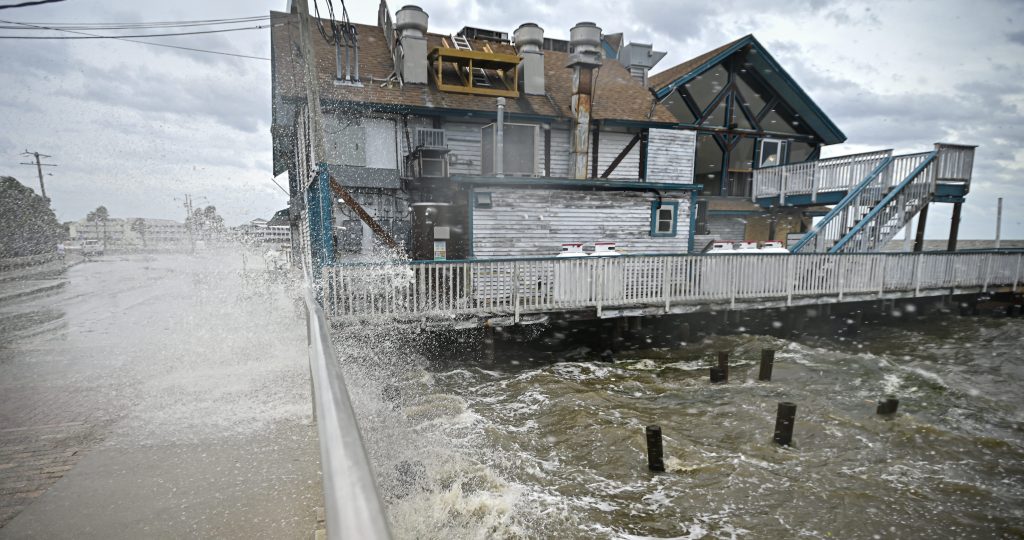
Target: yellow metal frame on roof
461 58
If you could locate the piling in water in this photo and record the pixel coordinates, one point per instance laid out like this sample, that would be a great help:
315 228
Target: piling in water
723 364
887 405
784 420
767 363
655 455
719 375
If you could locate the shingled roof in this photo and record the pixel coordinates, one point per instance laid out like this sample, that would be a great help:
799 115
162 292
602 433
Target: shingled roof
617 95
677 71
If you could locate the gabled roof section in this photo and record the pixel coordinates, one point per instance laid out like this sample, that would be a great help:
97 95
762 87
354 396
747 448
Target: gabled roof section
617 96
782 84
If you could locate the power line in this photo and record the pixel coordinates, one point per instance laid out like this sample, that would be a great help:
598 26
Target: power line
27 4
141 24
135 35
144 42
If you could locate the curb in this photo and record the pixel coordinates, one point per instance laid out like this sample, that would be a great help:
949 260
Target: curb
30 292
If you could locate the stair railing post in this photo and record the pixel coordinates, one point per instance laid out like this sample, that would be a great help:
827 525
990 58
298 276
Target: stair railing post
789 281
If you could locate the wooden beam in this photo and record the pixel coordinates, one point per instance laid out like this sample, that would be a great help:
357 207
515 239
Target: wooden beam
345 196
954 227
622 155
594 152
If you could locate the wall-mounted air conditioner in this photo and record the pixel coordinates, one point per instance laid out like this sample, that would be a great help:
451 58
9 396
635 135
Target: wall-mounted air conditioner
519 152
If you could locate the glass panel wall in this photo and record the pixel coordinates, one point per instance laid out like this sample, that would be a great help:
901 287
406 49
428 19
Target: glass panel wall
709 165
706 86
678 107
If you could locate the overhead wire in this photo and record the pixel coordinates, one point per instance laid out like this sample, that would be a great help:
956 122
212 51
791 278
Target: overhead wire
198 32
138 25
166 45
27 4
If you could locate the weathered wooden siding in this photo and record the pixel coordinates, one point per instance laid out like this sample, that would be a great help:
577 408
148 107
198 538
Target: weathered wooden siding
609 146
534 222
670 155
464 146
559 152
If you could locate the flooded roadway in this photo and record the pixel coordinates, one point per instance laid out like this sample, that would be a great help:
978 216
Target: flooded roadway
551 443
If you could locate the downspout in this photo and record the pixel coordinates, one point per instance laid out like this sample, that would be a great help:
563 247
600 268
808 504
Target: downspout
499 140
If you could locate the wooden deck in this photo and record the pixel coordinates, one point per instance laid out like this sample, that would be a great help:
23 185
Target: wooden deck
502 292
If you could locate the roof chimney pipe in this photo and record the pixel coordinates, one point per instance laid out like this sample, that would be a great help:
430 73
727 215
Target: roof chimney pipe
529 39
585 57
411 25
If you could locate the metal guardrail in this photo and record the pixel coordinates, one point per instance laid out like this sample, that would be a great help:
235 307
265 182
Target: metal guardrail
517 287
352 503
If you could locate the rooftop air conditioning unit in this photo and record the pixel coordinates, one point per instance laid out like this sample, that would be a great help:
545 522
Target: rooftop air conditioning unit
520 150
429 157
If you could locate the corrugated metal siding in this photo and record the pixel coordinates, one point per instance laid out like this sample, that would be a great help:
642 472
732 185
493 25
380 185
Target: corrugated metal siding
534 222
732 228
670 155
608 148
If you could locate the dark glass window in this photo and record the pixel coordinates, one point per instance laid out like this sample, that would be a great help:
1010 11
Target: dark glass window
709 165
706 86
717 117
755 99
678 107
799 151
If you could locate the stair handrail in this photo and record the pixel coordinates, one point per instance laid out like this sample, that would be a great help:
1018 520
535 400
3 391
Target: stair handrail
884 202
842 204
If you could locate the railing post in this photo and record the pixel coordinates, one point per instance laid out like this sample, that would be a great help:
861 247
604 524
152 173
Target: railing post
666 288
988 271
782 186
1016 273
917 274
814 184
515 292
599 293
840 268
790 279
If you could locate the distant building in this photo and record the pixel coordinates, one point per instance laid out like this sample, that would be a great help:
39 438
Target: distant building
275 231
131 233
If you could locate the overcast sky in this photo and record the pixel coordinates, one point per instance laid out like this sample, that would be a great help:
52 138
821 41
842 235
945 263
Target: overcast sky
135 127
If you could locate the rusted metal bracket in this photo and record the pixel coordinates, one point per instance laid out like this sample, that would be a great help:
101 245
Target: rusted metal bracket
345 196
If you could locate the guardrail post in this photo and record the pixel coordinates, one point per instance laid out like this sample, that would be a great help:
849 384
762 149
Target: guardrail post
599 293
840 267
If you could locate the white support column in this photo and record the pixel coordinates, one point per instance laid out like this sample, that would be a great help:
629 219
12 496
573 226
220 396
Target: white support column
917 274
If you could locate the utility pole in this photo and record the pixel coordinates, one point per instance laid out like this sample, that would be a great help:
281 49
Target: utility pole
39 168
189 222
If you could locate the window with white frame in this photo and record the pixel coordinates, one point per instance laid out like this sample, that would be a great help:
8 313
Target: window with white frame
663 218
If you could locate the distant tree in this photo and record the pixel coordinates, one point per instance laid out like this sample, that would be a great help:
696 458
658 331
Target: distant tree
100 215
29 225
206 222
139 226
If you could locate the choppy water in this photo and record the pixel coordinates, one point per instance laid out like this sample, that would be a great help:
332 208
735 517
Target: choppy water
554 447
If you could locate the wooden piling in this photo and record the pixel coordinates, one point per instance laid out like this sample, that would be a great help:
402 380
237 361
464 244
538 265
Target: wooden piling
655 453
767 363
887 406
784 420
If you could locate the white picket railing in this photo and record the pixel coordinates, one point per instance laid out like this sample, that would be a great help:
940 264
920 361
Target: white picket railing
517 287
841 173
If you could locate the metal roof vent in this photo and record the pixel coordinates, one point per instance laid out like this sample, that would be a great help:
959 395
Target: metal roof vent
411 25
585 44
529 40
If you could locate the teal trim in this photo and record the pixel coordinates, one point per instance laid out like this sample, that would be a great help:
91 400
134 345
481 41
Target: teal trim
842 204
572 183
883 203
823 198
657 205
798 99
319 210
693 222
